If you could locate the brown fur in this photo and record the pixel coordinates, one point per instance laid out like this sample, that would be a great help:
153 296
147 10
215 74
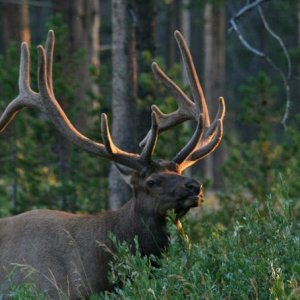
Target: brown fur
70 253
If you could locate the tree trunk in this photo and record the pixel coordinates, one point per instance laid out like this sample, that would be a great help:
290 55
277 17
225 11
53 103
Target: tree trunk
214 70
186 31
124 92
219 88
145 27
174 22
25 22
298 20
85 29
83 20
15 23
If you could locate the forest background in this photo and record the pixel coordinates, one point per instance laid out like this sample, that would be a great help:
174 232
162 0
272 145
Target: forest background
40 169
246 51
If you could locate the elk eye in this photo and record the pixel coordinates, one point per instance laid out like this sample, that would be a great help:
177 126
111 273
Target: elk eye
151 183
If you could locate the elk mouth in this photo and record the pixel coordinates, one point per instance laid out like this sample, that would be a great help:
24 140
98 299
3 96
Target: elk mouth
190 201
187 202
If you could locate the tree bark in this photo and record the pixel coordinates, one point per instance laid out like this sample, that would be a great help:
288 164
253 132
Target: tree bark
15 25
186 31
25 33
145 27
214 70
298 20
124 92
174 22
83 20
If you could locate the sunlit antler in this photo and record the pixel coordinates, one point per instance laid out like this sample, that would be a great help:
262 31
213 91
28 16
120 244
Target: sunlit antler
46 102
206 138
207 135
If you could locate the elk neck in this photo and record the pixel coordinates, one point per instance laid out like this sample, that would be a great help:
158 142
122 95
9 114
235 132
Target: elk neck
139 220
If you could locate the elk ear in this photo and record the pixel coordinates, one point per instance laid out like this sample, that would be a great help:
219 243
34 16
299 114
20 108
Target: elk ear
126 173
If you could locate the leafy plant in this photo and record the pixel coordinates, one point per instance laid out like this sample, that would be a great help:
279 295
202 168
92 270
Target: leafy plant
255 258
267 152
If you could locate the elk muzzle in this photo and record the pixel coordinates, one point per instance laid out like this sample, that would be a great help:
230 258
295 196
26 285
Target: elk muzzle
190 194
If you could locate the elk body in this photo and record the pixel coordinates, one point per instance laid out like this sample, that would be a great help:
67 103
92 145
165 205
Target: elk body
68 254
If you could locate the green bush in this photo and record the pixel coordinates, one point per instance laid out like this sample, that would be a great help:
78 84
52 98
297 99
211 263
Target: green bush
259 159
258 257
26 292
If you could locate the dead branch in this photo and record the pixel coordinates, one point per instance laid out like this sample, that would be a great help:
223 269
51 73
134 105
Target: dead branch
285 77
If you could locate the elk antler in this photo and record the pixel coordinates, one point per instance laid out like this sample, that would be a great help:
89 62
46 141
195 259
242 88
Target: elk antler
46 102
207 136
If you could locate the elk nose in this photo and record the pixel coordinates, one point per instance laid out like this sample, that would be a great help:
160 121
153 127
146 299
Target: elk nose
194 187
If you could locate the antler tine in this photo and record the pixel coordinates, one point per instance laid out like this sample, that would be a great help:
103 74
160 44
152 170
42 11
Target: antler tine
109 145
24 72
206 143
42 72
49 58
219 116
210 146
197 92
205 150
26 97
106 136
191 145
151 141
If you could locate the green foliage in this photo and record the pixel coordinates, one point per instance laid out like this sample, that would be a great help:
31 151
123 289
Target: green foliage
257 104
26 292
255 258
258 160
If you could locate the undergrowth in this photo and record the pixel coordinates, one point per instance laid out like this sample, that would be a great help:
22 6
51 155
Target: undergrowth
255 257
258 257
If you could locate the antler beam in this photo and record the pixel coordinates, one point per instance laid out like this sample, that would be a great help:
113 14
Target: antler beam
46 102
206 138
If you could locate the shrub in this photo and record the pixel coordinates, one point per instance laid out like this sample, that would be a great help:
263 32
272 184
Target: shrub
255 258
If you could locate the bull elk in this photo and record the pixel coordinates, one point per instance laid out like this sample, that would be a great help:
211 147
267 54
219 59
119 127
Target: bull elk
69 253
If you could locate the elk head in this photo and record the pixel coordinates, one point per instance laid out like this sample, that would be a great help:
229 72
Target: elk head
158 185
